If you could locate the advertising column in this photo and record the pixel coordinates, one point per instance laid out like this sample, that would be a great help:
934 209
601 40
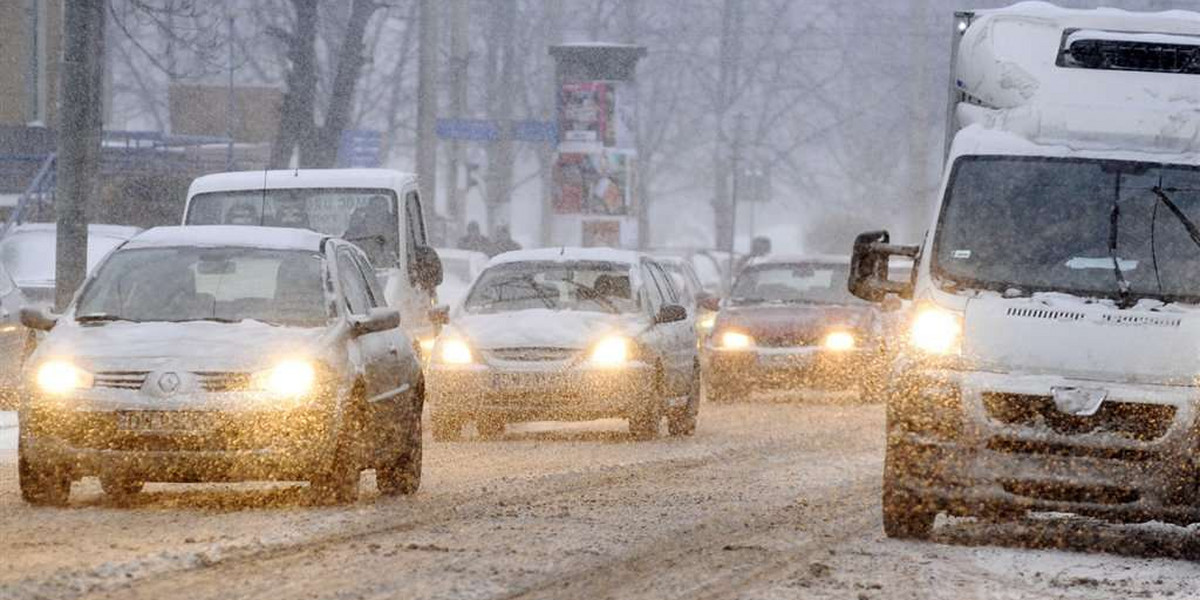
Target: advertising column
595 201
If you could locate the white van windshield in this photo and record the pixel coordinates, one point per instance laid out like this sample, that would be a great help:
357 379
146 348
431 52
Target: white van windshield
366 217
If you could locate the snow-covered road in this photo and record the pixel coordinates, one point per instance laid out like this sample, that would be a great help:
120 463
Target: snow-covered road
767 501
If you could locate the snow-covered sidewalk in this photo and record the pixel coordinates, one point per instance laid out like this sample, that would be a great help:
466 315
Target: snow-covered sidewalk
8 430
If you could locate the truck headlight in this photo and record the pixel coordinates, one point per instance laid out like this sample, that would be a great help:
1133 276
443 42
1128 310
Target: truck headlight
839 341
60 377
936 331
736 340
454 352
611 352
288 378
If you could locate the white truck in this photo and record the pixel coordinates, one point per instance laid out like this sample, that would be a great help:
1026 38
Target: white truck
379 210
1052 360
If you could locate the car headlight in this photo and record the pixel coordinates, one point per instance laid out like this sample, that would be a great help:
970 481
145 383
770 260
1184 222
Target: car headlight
426 346
60 377
706 323
288 378
455 352
611 352
839 341
736 340
936 331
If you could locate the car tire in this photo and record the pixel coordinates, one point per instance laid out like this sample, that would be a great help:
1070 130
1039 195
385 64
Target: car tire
41 483
120 487
905 515
403 476
337 482
646 419
446 428
682 421
718 392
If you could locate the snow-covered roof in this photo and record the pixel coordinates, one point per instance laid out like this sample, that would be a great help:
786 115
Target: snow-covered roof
980 140
566 254
828 259
301 178
122 232
238 236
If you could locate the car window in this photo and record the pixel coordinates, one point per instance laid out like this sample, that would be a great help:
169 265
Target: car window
669 293
585 285
374 291
653 288
414 221
354 287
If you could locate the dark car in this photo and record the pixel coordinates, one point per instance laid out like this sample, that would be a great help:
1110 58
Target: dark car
215 353
790 322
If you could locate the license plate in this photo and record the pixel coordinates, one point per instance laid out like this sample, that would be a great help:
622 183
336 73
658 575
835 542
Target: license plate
509 382
161 421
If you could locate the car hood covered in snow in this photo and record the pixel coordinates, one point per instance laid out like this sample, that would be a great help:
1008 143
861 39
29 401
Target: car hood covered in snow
543 328
795 320
196 345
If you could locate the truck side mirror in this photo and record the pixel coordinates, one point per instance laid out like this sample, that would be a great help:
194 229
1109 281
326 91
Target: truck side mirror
37 318
427 268
710 302
869 267
439 316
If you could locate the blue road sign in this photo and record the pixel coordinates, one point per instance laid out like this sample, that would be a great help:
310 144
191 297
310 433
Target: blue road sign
360 148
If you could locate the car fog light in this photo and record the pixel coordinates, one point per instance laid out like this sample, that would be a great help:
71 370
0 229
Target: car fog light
735 340
839 341
59 377
455 352
611 352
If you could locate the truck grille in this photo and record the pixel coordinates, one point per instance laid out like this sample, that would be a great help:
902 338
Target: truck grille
121 380
1132 420
223 381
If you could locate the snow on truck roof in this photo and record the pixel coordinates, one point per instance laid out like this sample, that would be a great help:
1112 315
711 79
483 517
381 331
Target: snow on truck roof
301 178
236 236
560 254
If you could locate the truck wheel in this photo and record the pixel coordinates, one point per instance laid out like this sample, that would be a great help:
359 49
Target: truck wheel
337 482
120 487
905 516
446 428
403 476
42 483
682 420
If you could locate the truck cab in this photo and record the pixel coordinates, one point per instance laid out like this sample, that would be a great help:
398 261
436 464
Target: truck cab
379 210
1050 362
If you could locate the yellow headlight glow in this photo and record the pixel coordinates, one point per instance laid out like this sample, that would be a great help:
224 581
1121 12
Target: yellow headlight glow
936 331
426 345
290 378
839 341
611 352
455 352
59 377
706 323
735 340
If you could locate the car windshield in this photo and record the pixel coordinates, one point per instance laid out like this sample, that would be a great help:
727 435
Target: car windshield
1068 225
281 287
366 217
28 256
598 286
798 283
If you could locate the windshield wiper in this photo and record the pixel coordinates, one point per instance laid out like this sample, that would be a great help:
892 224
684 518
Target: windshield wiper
591 294
213 319
1114 220
1188 224
98 318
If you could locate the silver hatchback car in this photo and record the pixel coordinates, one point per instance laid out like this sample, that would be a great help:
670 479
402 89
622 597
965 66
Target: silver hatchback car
223 354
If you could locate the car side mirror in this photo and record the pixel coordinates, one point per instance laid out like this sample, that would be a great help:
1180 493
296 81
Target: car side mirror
710 302
670 313
376 320
427 268
869 267
38 318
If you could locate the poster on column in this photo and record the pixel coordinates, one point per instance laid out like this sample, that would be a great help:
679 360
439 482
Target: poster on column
594 183
585 114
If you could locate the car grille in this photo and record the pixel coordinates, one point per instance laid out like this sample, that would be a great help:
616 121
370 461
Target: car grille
544 354
786 339
1132 420
223 381
121 380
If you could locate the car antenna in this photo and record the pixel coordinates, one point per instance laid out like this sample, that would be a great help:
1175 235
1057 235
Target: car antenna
262 207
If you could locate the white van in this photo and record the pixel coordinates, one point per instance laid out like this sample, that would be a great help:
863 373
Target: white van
377 209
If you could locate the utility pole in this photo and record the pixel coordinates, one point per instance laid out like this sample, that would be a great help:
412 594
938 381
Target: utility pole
459 57
427 104
736 160
547 153
79 125
728 71
230 101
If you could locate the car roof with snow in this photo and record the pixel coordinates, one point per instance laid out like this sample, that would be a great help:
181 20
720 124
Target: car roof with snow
568 254
789 259
301 178
237 236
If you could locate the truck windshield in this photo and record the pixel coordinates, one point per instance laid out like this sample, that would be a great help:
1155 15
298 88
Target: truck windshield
366 217
1067 224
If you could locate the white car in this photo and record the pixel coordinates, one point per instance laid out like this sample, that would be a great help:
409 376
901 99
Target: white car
567 334
222 354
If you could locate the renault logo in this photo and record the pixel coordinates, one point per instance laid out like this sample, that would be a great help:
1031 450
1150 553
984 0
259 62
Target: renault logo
168 383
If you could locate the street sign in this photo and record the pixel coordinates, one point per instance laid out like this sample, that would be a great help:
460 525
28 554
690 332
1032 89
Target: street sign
360 148
485 130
